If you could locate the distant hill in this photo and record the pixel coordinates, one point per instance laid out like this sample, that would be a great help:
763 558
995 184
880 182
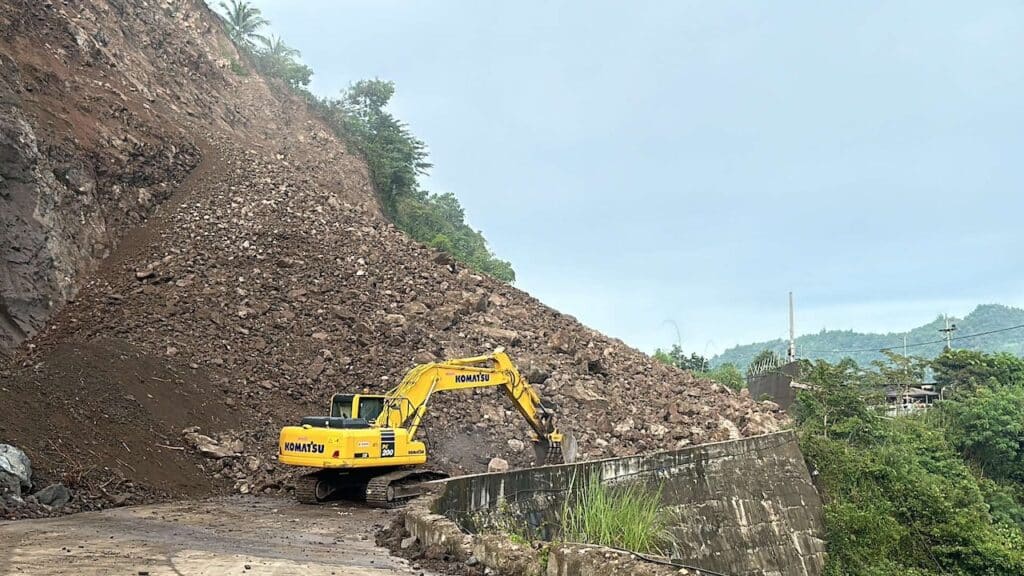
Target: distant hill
833 345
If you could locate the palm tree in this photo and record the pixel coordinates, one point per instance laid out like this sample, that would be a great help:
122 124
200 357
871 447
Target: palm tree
280 60
274 47
243 21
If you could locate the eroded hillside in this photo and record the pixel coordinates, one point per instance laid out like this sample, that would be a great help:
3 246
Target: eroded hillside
261 280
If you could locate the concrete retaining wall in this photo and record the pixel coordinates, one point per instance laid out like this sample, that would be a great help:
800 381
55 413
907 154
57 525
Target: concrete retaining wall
744 507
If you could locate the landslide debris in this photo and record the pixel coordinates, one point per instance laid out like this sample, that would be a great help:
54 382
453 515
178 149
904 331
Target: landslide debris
270 282
24 495
99 108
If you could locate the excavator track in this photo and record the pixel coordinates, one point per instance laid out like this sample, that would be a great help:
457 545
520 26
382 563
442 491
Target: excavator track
306 488
394 488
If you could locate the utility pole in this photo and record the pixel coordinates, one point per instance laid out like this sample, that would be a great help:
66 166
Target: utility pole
791 353
948 331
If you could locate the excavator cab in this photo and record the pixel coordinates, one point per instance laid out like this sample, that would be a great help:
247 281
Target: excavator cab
364 406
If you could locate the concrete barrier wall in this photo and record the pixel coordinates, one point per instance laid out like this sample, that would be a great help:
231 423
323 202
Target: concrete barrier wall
776 385
744 507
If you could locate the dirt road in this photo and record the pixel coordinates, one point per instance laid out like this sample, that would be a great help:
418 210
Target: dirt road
236 535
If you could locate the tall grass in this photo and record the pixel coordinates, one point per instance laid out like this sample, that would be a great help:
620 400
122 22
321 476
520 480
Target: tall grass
624 516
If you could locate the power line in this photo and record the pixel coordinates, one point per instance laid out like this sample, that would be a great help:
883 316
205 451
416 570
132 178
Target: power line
917 344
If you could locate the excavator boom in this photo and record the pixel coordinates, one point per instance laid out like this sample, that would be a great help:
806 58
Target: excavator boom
405 405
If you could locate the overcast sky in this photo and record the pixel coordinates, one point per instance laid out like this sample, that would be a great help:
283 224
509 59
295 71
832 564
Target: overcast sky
646 165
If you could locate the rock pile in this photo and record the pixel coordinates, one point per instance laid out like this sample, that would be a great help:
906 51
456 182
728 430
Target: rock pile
286 295
16 484
99 107
274 282
249 471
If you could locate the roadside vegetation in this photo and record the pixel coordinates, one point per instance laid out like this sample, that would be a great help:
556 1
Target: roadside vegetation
941 492
628 516
727 374
359 116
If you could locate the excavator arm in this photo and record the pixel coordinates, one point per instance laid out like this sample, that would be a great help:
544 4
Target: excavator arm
406 404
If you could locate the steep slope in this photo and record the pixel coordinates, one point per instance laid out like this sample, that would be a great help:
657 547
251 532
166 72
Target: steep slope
270 280
99 108
989 320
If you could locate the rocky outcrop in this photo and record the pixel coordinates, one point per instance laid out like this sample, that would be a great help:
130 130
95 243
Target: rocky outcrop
81 159
99 108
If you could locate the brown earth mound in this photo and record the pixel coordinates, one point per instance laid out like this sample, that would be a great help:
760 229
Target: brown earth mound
118 409
271 281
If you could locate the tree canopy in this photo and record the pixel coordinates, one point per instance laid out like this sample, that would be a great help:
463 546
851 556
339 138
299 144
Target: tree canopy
727 374
397 159
243 21
930 494
279 60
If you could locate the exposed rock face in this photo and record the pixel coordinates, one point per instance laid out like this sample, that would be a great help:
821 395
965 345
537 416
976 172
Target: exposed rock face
80 159
98 107
267 282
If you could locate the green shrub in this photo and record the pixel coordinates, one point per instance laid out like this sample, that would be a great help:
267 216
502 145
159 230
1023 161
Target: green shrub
627 516
238 69
727 375
396 159
899 496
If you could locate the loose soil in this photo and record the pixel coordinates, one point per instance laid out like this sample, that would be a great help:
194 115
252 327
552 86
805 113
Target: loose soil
233 535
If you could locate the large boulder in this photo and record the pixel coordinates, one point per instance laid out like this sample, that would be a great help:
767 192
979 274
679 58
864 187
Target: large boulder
54 495
212 448
15 472
498 465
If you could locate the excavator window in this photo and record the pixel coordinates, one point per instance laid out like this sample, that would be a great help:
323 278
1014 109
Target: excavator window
370 407
341 405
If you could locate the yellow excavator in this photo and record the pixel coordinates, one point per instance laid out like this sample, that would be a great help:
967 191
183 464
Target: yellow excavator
366 448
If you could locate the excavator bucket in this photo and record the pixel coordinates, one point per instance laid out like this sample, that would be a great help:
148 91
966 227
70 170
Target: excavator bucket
549 453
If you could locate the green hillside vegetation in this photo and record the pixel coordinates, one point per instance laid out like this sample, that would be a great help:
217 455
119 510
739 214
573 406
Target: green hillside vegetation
937 493
834 345
395 156
725 374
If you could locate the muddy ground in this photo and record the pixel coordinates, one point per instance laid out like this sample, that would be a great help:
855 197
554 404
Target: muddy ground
232 535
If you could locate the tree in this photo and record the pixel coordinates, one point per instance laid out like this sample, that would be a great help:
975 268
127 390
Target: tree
835 403
899 499
274 47
279 60
244 21
396 159
968 369
437 219
728 375
988 427
676 357
395 156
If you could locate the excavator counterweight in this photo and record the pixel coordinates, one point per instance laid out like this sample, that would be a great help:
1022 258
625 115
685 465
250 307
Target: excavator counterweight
367 447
